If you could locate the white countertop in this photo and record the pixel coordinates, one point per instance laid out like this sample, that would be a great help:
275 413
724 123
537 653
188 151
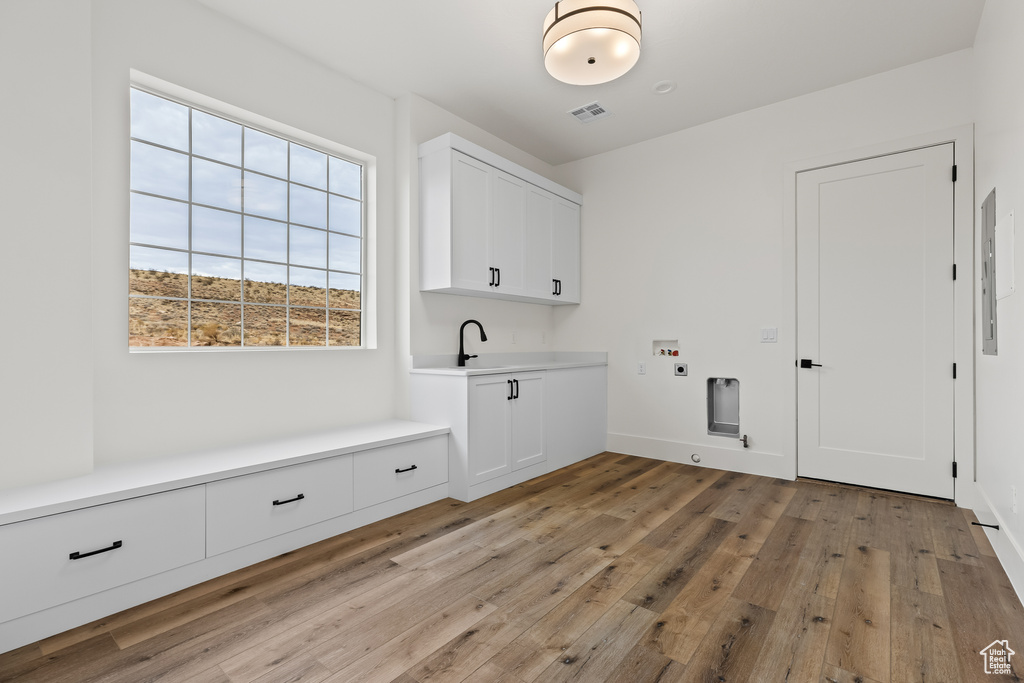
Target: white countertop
498 363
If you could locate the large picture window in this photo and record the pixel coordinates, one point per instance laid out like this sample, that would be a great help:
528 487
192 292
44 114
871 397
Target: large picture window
239 238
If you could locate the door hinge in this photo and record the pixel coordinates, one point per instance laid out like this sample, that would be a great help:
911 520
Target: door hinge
954 173
954 370
954 271
954 469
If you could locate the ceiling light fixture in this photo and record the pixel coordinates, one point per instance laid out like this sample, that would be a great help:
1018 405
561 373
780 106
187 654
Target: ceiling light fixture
586 42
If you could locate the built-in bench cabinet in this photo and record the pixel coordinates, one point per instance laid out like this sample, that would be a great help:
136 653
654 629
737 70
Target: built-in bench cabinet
84 548
491 228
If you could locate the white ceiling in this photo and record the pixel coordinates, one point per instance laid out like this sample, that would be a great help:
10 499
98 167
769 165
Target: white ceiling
481 59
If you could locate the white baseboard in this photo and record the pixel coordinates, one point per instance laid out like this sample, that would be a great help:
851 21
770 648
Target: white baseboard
1008 549
733 457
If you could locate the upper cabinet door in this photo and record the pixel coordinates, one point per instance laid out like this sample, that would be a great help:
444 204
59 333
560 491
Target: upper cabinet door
471 209
540 216
565 251
508 232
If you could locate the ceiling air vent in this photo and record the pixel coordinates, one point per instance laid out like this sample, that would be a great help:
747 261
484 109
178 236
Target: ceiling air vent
590 112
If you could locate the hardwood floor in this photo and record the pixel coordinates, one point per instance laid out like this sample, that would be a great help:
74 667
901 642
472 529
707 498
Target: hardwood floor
615 569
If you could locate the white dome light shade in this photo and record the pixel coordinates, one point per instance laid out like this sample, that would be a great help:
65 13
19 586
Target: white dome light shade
586 42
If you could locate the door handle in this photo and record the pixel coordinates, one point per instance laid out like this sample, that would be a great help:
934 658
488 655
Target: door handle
806 363
79 555
299 497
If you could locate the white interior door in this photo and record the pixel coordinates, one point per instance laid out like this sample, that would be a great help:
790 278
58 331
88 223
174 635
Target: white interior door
875 316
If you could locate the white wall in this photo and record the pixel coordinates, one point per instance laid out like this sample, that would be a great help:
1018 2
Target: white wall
683 238
167 403
46 401
999 140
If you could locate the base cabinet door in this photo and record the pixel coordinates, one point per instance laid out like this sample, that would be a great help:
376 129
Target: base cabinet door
577 412
527 407
490 428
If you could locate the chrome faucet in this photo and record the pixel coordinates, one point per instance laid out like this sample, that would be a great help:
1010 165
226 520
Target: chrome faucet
463 356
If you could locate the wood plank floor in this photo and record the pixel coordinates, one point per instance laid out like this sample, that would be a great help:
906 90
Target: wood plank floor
616 569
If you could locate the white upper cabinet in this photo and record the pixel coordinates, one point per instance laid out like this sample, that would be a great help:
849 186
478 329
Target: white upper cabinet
491 228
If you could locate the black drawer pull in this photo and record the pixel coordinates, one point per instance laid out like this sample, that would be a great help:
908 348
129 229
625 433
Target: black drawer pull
407 469
77 555
290 500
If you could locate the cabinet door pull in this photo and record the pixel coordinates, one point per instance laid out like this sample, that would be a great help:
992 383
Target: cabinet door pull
554 287
498 271
510 397
77 555
492 277
515 386
407 469
290 500
558 287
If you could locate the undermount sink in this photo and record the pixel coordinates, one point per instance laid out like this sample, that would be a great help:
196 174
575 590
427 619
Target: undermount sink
478 367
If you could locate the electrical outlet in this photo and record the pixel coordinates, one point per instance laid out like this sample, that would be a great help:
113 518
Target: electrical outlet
641 368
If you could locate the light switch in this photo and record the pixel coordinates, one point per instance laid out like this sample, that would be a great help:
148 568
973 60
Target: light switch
769 335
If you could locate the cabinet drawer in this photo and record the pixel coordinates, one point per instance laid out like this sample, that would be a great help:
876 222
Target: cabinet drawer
392 471
112 544
258 506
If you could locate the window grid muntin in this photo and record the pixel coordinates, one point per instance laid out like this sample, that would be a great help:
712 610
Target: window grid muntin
242 213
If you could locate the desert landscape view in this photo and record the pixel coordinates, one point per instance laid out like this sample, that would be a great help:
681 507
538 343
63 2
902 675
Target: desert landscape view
332 319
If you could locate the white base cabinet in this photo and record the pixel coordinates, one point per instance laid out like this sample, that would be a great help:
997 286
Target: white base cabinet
506 424
218 512
507 428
